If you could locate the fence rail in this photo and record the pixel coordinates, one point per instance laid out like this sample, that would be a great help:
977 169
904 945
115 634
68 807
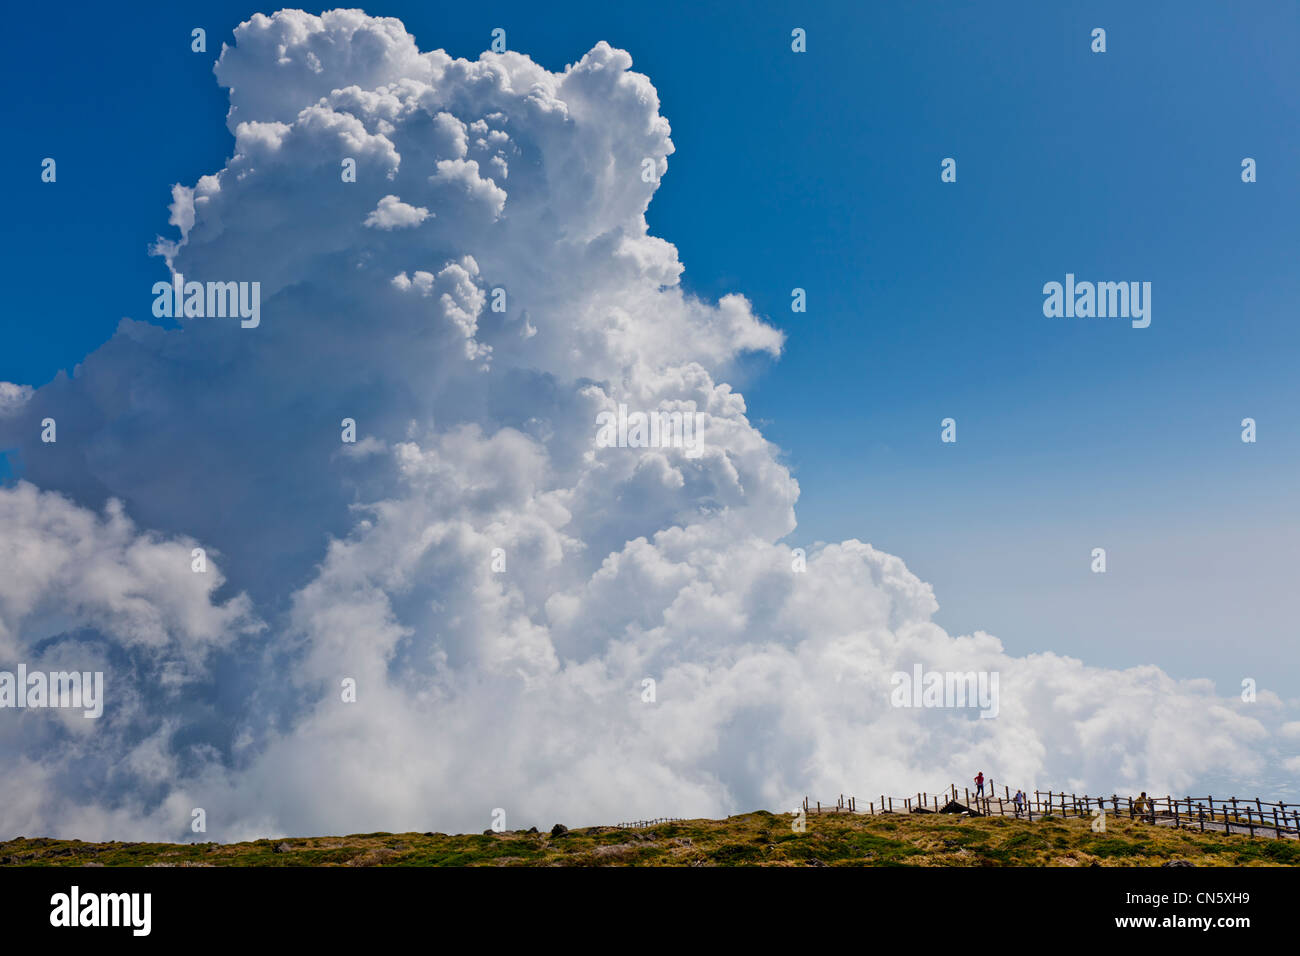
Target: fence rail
638 824
1251 816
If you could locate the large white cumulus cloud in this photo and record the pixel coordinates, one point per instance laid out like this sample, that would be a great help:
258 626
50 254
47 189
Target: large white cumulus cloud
476 688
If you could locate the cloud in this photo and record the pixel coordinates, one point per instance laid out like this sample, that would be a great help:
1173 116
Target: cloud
463 176
13 397
392 213
496 584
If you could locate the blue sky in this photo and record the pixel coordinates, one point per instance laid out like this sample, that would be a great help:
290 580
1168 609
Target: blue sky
822 171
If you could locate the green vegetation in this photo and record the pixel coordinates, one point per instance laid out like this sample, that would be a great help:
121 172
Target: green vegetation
753 839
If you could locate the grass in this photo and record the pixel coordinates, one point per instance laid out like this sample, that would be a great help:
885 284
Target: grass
752 839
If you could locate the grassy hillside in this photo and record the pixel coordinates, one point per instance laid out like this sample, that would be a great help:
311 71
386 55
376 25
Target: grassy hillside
761 838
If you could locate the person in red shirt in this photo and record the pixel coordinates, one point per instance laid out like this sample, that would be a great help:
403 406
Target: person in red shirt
979 784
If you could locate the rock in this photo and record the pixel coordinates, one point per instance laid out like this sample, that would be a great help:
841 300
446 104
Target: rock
281 848
1177 863
532 829
559 829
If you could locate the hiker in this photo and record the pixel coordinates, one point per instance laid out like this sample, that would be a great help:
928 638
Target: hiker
979 784
1141 805
1019 801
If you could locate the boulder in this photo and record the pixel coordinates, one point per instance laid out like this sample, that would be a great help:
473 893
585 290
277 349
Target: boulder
952 806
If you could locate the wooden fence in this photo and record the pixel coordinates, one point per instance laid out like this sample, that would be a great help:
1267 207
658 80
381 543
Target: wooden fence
1252 816
638 824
